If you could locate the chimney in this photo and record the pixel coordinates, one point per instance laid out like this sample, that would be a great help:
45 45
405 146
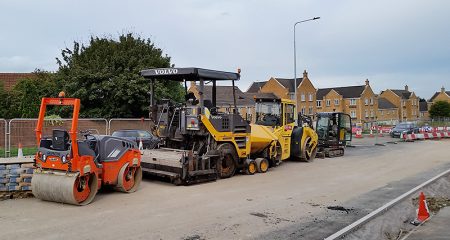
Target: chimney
305 74
406 88
442 89
367 82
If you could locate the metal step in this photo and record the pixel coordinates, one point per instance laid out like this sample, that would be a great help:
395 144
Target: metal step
160 173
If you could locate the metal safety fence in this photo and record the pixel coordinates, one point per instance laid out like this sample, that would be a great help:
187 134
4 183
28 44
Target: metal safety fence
115 124
20 132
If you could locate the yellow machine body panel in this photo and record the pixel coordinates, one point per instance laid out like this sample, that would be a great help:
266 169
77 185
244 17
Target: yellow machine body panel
228 137
261 137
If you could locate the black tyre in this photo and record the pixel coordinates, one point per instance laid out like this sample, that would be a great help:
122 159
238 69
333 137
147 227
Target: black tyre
250 167
262 165
226 165
309 151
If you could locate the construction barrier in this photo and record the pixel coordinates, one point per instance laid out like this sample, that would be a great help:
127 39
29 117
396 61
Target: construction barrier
425 136
359 133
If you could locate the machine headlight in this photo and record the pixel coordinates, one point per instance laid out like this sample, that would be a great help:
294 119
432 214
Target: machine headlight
192 124
44 157
64 159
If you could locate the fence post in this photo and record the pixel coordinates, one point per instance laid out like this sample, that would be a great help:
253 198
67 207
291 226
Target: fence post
5 129
109 126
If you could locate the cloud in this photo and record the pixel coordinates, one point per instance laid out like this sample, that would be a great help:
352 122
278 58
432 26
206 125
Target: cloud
389 42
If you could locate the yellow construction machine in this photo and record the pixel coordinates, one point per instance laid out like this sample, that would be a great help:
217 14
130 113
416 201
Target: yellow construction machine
332 129
275 119
198 142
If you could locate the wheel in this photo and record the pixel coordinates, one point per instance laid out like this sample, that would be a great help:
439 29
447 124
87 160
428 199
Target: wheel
65 188
129 178
262 165
250 167
309 150
226 165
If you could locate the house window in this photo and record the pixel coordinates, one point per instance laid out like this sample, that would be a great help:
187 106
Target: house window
292 96
319 103
422 114
302 97
303 111
371 101
366 101
414 113
310 110
366 113
310 97
336 102
352 102
371 113
328 102
381 112
353 113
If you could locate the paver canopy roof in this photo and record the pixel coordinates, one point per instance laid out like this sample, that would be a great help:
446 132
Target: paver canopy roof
188 74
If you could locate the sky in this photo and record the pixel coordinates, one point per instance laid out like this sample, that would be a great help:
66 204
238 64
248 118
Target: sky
391 43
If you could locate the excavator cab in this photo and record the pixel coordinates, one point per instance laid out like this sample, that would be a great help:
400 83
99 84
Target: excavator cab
334 130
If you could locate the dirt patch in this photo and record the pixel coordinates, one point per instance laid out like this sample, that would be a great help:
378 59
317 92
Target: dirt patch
261 215
434 203
194 237
340 208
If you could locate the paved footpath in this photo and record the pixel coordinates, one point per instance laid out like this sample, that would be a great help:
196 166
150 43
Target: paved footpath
437 228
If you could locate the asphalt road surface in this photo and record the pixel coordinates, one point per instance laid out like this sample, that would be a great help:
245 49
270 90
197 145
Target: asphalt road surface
294 200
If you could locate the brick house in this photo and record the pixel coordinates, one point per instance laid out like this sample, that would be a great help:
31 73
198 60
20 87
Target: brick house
423 111
406 101
440 96
357 101
9 80
284 88
224 99
387 112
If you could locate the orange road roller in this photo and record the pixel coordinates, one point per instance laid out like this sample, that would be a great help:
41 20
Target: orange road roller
71 170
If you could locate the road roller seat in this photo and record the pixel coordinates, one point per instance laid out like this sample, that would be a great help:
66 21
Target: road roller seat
60 140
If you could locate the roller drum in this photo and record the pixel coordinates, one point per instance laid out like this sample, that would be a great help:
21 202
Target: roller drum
58 186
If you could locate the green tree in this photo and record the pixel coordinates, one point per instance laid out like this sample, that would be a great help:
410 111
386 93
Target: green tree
26 95
105 75
4 102
440 109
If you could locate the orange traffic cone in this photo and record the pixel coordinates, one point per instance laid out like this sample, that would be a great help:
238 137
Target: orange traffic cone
371 133
20 151
423 213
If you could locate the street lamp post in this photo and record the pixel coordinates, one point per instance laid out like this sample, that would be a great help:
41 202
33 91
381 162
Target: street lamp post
295 64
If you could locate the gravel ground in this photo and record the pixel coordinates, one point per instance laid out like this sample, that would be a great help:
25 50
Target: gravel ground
309 200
